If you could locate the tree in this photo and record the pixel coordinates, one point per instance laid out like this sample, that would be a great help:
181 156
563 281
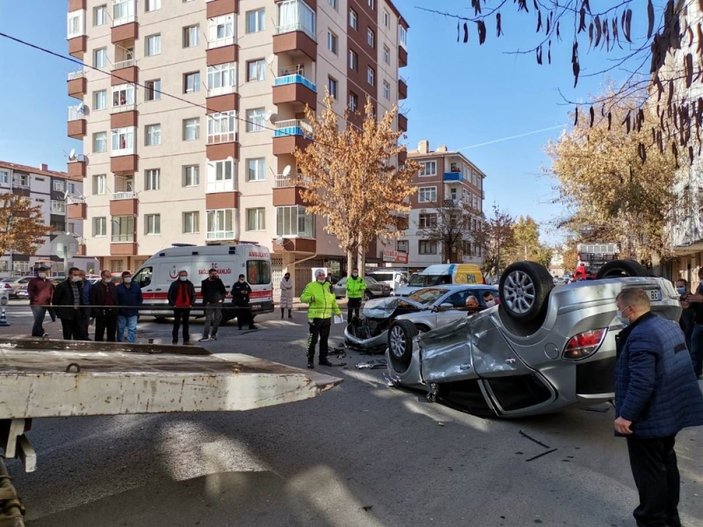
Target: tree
526 244
613 195
350 177
495 238
22 226
449 226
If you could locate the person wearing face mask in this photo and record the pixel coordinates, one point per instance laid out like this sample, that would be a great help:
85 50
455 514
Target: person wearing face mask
286 295
688 312
181 295
656 395
67 301
213 292
40 291
240 299
103 295
355 292
323 304
129 297
489 299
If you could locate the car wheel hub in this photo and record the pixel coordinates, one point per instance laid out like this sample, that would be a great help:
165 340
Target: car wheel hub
519 292
397 341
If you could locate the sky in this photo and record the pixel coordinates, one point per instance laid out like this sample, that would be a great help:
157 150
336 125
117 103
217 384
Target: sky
498 108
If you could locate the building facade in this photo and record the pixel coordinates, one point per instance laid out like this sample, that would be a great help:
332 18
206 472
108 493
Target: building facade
60 198
445 179
191 119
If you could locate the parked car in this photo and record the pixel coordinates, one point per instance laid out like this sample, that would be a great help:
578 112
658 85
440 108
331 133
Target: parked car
425 309
544 348
374 289
393 277
14 285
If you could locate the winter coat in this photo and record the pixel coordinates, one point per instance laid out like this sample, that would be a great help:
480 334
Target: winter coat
40 291
212 290
355 287
129 296
655 386
286 293
323 303
173 292
240 293
99 293
63 296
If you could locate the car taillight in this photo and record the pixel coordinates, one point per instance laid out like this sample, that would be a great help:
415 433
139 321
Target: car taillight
584 344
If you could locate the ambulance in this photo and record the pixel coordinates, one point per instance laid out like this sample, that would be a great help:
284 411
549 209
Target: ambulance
247 258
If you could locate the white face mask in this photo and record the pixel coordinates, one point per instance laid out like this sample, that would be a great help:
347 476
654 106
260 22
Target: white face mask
127 279
106 280
490 303
75 279
622 318
41 275
183 278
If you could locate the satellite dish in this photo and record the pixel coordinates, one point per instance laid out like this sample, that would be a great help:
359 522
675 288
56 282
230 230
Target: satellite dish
270 59
286 171
72 155
272 117
279 240
81 108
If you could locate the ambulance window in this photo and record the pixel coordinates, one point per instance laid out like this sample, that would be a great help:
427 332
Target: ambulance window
258 272
143 277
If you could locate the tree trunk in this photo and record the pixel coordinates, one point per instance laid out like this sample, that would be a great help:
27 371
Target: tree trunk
361 255
350 261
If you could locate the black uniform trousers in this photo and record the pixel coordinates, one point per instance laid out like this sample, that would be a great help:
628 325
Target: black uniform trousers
319 329
181 316
353 306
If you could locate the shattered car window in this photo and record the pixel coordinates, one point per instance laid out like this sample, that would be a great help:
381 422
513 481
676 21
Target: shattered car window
427 295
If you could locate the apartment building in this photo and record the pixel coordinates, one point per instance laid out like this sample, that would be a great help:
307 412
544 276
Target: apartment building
60 198
190 121
445 179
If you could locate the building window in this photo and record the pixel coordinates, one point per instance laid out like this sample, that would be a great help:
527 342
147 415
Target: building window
152 5
256 219
123 229
372 4
122 95
58 185
427 221
221 30
332 3
427 247
219 224
402 246
191 129
386 90
100 226
255 21
122 11
99 184
100 57
99 142
427 194
294 221
100 15
220 79
402 36
428 168
332 86
191 82
58 206
353 19
123 141
370 76
256 70
153 45
222 127
353 102
386 18
100 100
255 120
220 176
152 90
332 41
5 176
190 36
152 179
191 222
256 169
386 54
75 25
371 38
152 224
353 60
191 176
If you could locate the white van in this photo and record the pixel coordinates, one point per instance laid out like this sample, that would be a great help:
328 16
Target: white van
250 259
439 274
393 277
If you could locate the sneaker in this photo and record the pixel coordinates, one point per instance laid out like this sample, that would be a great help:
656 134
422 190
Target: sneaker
205 339
45 335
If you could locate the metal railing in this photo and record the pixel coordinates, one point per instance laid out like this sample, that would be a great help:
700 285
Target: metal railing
220 42
122 238
76 75
76 112
124 64
126 194
295 78
292 127
123 108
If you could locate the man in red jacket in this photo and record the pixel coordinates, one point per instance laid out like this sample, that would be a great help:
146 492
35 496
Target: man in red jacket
40 291
181 295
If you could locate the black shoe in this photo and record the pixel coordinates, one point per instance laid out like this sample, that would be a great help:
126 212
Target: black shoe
325 363
186 342
311 365
174 341
253 327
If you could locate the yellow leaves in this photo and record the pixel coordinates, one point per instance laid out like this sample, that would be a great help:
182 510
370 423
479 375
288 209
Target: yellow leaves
21 225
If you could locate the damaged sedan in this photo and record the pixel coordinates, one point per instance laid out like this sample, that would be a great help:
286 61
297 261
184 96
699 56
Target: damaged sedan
544 348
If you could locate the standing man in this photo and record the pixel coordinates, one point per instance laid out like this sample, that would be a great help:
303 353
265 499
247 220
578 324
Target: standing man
67 300
696 301
40 291
355 292
323 305
86 311
656 395
181 295
214 292
286 295
103 295
240 299
129 298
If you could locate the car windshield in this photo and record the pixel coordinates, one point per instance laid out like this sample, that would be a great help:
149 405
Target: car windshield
422 280
382 277
427 295
370 280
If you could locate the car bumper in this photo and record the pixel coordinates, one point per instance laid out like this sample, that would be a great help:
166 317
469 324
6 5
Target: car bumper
379 341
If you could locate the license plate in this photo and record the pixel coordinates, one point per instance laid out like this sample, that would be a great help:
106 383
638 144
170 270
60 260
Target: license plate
655 295
256 307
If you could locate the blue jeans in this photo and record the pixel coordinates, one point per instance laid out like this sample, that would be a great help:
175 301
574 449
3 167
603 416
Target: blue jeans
39 313
131 324
697 349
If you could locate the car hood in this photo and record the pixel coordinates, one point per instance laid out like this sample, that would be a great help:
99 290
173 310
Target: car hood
384 307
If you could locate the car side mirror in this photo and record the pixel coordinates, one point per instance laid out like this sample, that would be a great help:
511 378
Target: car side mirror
444 307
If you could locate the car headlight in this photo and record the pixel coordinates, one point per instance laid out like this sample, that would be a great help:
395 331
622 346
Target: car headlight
585 344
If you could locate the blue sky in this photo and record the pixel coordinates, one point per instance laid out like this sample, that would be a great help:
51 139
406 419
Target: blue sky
459 95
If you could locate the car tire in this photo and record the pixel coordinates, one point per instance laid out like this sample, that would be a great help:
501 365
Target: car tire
620 268
524 288
400 344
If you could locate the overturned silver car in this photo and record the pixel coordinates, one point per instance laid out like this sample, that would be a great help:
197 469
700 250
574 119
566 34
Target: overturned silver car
543 349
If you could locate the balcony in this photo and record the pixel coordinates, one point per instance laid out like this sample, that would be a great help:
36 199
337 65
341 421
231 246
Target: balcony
77 46
123 116
124 204
222 150
221 42
223 54
222 200
453 177
77 125
77 211
402 57
77 167
222 103
296 32
77 84
287 195
217 8
402 123
402 157
123 248
295 89
294 245
124 71
123 164
291 135
402 88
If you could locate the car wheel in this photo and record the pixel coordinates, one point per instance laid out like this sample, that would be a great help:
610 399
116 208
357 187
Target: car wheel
620 268
523 290
400 344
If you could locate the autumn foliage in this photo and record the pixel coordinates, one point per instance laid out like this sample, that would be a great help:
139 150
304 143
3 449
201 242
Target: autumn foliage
21 225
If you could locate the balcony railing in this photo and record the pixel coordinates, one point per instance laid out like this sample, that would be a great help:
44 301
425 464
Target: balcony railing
123 108
122 237
76 75
295 78
126 194
220 90
219 235
292 127
453 176
77 112
124 64
220 42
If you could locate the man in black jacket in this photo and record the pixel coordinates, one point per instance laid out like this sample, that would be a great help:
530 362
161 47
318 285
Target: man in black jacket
240 299
68 301
214 292
181 295
102 295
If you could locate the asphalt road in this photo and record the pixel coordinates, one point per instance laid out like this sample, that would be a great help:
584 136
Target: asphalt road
362 454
